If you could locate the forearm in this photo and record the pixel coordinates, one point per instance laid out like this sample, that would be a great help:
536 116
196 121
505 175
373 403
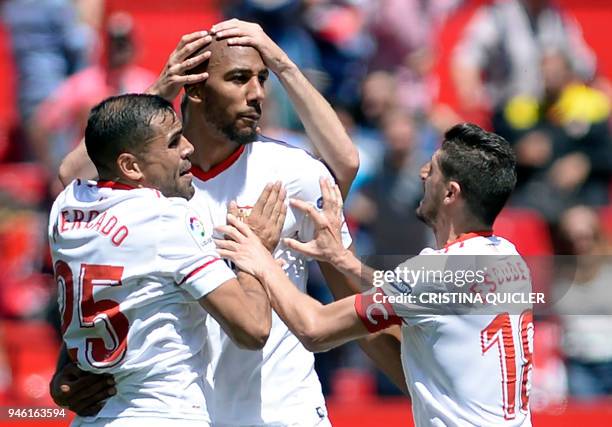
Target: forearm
77 164
384 348
298 310
355 271
257 297
322 125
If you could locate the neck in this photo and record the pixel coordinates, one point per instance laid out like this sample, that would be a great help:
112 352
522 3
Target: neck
448 229
211 147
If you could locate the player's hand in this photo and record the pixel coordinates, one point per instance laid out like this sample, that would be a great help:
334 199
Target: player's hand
327 243
80 391
174 75
267 216
244 248
242 33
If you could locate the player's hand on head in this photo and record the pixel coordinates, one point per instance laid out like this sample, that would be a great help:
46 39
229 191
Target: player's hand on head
243 247
327 243
175 73
267 217
82 392
242 33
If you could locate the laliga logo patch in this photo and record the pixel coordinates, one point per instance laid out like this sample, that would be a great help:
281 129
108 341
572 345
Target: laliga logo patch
196 229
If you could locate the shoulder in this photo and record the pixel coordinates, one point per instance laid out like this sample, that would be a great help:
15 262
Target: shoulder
283 151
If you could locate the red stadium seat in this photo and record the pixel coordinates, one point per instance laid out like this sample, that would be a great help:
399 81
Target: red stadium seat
526 229
25 182
531 236
353 385
605 218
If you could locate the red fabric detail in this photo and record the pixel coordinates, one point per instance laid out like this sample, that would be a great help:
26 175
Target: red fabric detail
375 316
216 170
462 238
114 185
197 270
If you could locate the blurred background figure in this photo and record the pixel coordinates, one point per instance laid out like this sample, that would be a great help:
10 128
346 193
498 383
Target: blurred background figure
562 140
584 303
393 192
405 32
49 42
501 50
62 117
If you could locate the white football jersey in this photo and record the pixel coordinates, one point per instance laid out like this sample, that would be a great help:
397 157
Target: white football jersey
130 265
461 369
278 384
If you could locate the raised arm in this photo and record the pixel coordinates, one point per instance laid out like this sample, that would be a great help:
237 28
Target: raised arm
320 121
173 77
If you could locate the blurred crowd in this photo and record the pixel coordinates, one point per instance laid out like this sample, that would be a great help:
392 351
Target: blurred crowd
519 67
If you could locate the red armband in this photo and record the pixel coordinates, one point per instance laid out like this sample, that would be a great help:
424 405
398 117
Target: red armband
375 312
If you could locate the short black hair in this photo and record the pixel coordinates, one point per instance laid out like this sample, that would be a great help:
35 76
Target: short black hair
121 124
484 165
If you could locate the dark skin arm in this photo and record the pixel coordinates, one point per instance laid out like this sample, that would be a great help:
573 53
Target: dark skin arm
80 391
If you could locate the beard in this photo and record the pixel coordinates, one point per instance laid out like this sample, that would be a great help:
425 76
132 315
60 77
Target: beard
242 137
425 213
219 123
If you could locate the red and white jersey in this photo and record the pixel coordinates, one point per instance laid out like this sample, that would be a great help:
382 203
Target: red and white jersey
130 266
278 384
461 369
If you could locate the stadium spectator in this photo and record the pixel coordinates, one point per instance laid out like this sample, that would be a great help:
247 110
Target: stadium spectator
393 191
48 44
584 303
406 33
563 141
501 50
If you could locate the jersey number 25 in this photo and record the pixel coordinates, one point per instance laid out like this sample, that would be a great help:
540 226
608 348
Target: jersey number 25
91 312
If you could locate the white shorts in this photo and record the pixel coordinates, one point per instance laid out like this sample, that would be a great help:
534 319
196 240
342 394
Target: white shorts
138 422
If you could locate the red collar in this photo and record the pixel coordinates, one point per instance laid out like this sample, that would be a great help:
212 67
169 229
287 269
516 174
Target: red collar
217 169
114 185
467 236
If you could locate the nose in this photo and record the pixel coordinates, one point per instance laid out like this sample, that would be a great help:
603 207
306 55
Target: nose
186 147
255 91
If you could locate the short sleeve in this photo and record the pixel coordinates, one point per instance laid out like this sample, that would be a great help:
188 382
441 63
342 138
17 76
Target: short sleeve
187 253
310 192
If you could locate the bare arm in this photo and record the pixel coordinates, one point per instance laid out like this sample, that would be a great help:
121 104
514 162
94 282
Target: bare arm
384 347
242 308
320 121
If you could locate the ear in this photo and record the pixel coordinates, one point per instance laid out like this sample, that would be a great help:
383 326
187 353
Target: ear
129 167
453 190
194 92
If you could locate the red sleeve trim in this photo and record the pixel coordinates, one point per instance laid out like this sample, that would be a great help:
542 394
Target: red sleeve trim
197 270
375 316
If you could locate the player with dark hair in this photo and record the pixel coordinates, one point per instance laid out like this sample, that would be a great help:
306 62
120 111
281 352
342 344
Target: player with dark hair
462 368
137 270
